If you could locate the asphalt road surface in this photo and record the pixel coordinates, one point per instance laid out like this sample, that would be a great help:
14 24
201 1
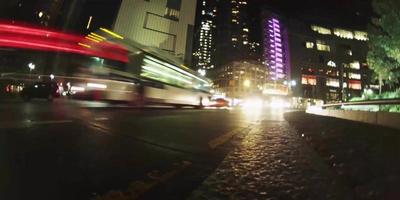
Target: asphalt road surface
81 150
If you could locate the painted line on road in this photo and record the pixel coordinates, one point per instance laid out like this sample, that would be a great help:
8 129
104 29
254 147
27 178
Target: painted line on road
48 122
222 139
28 123
99 127
139 188
101 119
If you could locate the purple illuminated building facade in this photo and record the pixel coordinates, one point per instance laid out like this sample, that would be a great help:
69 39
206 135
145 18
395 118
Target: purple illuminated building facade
276 49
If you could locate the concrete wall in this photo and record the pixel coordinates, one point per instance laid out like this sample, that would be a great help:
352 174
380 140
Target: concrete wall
144 22
387 119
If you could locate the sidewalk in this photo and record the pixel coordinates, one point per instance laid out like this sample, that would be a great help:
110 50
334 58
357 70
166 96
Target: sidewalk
272 161
365 157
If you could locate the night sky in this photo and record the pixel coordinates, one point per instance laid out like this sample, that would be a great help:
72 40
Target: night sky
345 13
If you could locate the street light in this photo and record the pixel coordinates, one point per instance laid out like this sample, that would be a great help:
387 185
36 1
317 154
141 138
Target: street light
31 66
247 83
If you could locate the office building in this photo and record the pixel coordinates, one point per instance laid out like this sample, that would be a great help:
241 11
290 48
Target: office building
241 79
276 55
204 44
165 24
328 62
232 32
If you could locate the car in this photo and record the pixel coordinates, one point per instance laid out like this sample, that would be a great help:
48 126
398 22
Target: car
45 90
219 103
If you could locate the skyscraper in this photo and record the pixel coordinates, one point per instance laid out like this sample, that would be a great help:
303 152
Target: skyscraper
205 35
276 50
165 24
232 32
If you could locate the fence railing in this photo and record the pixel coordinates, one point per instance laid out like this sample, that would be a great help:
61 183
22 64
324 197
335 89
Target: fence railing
368 102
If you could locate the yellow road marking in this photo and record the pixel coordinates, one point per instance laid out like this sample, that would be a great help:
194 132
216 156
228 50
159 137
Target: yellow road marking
214 143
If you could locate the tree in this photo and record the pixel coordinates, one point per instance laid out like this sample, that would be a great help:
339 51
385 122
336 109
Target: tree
384 45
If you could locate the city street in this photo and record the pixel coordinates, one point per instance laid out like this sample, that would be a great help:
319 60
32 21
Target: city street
70 150
87 150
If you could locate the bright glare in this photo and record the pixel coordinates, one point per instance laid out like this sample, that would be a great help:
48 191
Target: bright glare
202 72
279 103
77 89
51 76
97 85
250 104
246 83
31 66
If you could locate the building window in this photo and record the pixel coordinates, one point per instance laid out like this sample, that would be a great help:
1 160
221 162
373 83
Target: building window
172 9
355 65
354 76
361 35
349 52
309 45
355 85
322 46
332 73
308 80
331 63
332 82
321 30
342 33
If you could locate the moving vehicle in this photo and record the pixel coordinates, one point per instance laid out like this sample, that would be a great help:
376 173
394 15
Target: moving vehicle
112 70
46 90
219 103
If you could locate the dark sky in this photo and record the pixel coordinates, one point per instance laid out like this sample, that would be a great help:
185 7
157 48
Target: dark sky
336 12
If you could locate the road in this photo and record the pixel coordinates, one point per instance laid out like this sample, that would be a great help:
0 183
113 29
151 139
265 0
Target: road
69 150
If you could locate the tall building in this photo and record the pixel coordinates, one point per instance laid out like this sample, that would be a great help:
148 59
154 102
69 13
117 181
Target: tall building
276 54
232 32
241 79
328 62
203 57
165 24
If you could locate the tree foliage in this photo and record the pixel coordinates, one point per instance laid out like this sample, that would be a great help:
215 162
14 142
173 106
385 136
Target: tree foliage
384 45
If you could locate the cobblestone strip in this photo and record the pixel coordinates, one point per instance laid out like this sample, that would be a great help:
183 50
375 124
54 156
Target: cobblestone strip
271 162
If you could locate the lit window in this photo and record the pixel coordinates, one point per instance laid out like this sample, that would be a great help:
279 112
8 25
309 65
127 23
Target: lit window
332 82
245 29
331 64
172 9
349 52
309 45
322 46
344 84
234 39
361 35
355 76
308 80
355 65
343 33
355 85
321 30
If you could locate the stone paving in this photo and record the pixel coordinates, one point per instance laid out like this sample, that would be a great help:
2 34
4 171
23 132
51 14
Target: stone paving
272 161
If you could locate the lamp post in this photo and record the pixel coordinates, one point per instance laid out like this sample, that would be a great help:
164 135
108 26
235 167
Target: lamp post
31 67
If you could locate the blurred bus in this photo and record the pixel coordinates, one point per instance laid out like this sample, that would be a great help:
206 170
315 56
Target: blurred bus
111 70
